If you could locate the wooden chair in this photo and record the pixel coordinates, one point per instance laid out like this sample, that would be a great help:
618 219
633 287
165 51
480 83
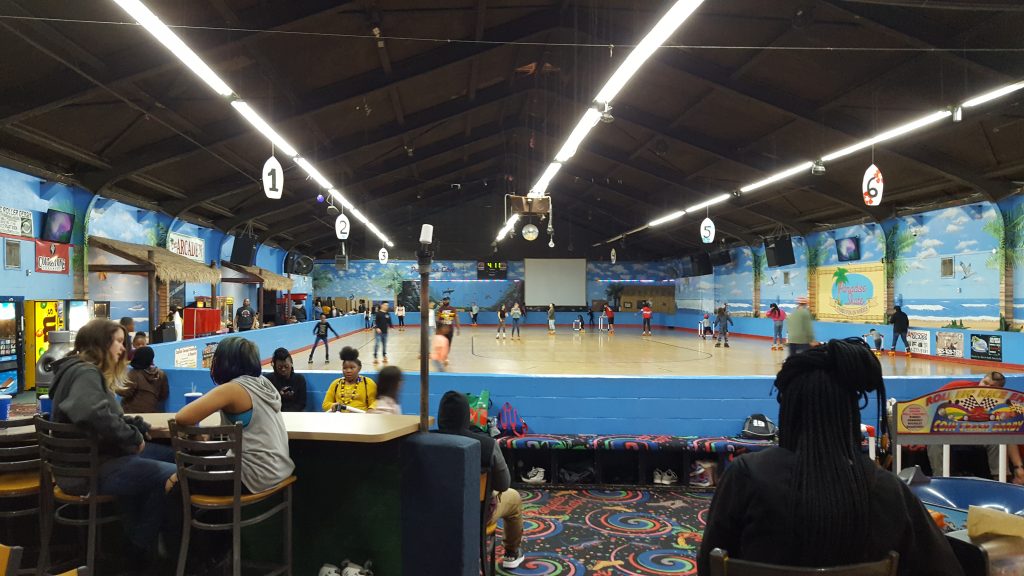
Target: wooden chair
10 559
209 459
19 466
722 565
66 452
488 529
82 571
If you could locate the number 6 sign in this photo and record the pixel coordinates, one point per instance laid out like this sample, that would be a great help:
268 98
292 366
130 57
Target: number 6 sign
707 231
873 186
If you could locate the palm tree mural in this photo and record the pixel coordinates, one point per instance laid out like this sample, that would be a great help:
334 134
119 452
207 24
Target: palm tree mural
897 243
1008 230
757 263
839 279
613 292
391 280
816 255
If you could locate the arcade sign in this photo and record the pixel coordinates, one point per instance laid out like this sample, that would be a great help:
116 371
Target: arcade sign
188 246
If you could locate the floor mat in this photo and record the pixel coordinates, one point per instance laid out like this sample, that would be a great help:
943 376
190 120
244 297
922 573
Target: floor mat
611 532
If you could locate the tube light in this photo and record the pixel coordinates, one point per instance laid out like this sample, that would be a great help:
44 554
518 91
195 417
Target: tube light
590 119
313 173
667 218
358 215
651 42
260 124
542 185
709 202
802 167
888 135
137 10
979 100
507 227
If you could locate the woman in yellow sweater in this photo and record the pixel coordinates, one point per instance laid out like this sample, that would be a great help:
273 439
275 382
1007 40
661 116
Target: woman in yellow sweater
351 390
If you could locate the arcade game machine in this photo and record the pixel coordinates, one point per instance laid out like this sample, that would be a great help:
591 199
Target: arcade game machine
41 318
77 313
11 345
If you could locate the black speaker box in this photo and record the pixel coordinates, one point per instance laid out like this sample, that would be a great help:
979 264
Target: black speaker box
243 253
701 264
289 263
721 258
779 251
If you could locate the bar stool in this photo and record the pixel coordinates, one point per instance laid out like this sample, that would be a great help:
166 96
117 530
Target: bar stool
488 529
82 571
19 471
68 453
209 463
10 559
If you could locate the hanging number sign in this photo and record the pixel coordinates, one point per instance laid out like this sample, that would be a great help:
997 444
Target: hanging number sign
707 231
873 185
273 178
613 255
342 227
383 255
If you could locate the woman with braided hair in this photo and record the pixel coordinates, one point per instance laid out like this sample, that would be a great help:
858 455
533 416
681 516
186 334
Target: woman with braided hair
816 500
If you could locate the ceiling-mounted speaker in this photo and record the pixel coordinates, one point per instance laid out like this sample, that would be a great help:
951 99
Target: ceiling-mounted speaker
341 261
289 262
243 252
529 205
303 265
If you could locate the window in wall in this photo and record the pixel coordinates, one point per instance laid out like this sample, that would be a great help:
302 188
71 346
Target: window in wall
12 254
176 294
946 268
785 278
101 309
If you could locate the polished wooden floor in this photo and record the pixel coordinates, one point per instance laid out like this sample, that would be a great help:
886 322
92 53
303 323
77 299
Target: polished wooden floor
673 352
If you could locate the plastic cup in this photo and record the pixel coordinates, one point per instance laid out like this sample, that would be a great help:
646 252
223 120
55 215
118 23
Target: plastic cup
45 405
192 396
5 406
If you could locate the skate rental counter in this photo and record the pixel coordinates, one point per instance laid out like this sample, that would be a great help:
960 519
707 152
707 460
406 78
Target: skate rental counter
371 487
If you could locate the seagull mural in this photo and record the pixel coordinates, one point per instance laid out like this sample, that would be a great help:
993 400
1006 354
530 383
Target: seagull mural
965 267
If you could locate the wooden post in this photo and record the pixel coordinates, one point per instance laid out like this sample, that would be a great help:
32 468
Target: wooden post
259 303
151 276
424 257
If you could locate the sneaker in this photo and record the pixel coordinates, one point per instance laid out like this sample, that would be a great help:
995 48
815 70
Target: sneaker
718 344
497 336
534 476
327 360
512 561
658 476
669 477
310 360
375 361
696 469
702 480
726 344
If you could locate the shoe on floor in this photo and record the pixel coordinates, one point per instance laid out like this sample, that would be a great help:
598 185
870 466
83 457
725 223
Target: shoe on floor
696 469
512 561
726 344
702 480
385 359
658 475
669 477
718 344
534 476
310 360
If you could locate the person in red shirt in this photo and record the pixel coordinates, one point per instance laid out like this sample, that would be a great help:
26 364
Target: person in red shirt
647 314
610 314
996 380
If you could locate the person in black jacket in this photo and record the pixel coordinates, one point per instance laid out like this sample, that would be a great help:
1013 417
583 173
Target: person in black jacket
320 329
816 500
453 418
900 325
290 385
138 473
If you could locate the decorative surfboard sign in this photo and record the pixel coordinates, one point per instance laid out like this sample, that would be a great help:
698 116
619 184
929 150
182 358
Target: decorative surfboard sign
614 255
342 227
273 178
383 255
707 231
873 186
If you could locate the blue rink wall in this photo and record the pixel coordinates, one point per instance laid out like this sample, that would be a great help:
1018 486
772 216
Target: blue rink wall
674 405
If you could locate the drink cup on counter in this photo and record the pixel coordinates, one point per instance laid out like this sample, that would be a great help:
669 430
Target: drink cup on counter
45 405
5 406
192 396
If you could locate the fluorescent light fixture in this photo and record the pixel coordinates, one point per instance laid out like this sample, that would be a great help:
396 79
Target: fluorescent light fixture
358 215
542 185
988 96
170 40
803 167
651 42
667 218
260 124
889 135
313 173
709 202
507 228
590 119
337 196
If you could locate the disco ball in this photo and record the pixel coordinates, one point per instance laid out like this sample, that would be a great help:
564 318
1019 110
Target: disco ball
530 232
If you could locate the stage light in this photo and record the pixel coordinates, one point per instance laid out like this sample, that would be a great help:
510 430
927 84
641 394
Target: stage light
818 168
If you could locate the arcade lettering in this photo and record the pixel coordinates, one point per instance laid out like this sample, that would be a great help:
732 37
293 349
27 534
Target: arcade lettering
188 246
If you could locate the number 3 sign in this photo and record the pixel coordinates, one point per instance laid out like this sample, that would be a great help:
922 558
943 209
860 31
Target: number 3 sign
707 231
873 185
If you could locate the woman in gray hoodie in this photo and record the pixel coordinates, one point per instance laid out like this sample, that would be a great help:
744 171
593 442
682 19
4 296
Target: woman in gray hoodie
244 396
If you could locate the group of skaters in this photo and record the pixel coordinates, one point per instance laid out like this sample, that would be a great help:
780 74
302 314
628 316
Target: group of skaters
801 328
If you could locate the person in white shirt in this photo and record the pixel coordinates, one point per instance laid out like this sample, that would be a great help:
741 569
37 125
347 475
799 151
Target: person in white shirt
400 312
389 386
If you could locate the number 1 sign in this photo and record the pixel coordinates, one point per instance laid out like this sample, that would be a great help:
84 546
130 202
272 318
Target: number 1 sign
273 179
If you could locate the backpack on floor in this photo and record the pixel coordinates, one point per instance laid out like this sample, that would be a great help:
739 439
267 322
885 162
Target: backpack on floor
759 427
509 422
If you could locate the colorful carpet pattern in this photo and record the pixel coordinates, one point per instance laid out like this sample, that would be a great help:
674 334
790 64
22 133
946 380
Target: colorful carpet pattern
611 532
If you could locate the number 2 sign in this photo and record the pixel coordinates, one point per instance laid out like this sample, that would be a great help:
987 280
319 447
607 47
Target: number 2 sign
273 178
342 227
707 231
872 186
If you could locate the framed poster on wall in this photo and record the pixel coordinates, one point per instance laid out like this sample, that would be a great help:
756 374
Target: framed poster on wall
12 254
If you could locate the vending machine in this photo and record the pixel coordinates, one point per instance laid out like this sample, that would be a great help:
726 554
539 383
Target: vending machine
77 313
12 367
41 318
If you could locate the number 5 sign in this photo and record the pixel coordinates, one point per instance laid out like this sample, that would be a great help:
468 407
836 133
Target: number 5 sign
873 185
707 231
